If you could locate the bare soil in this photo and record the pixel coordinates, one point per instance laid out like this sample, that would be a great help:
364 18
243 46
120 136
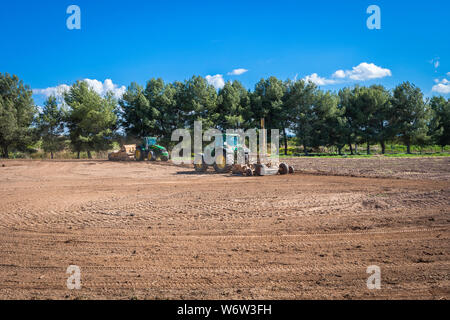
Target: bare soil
435 168
159 231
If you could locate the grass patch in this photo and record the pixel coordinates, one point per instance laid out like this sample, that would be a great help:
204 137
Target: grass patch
415 155
362 156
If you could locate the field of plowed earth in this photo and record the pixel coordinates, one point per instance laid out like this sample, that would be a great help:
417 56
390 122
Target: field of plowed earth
159 231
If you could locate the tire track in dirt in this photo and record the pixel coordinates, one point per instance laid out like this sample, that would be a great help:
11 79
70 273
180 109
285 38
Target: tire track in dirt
145 229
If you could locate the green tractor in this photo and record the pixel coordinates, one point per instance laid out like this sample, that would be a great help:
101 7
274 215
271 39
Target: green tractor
151 151
229 149
230 145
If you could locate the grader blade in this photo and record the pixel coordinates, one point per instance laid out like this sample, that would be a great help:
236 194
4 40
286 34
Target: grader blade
263 170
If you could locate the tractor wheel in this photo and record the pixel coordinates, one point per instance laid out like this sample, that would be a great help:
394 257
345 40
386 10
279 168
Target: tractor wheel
200 167
284 169
139 155
258 169
291 170
151 156
221 165
164 158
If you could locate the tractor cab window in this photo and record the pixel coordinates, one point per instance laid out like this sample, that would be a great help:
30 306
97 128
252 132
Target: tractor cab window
232 140
150 141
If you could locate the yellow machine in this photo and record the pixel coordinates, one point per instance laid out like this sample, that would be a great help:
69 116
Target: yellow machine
126 153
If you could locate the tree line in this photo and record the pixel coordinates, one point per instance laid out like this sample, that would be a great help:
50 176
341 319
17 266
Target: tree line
350 117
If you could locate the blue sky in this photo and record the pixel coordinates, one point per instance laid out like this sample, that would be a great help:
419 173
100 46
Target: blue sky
136 40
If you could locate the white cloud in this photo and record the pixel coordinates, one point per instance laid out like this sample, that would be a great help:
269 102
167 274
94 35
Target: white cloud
339 74
442 87
105 87
314 78
216 81
53 91
362 72
237 72
100 87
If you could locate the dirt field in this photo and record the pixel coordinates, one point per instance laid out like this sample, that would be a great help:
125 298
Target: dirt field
434 168
155 231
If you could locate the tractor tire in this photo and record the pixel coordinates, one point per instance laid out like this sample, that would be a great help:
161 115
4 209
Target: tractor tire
284 169
151 156
291 170
164 158
139 155
221 165
200 168
258 169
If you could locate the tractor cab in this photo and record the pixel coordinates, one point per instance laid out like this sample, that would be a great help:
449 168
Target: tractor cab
229 141
149 141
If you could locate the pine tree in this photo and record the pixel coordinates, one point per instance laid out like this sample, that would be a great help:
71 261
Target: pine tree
91 119
50 126
17 113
